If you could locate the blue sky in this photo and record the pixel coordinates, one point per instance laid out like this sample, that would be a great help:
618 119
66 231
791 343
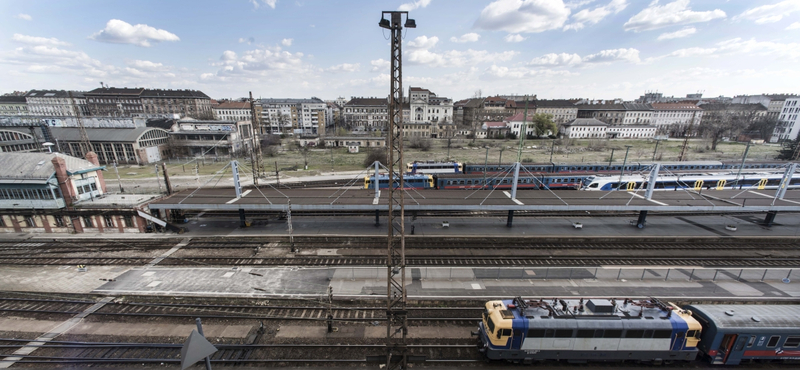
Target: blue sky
599 49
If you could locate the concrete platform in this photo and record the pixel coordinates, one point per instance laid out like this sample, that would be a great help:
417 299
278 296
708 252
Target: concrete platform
115 329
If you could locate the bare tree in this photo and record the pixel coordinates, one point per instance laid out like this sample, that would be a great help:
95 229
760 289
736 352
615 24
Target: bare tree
765 126
374 155
718 124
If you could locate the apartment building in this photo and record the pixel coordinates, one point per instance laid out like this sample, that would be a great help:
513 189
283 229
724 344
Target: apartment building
149 103
56 103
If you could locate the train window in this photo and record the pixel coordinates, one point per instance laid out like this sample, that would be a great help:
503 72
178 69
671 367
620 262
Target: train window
662 334
692 334
792 342
773 340
490 324
585 333
549 333
613 334
634 333
751 341
536 333
594 186
564 333
504 333
599 333
739 345
648 334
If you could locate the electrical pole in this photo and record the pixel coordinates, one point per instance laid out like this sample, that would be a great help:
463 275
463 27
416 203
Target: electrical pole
119 180
682 156
86 145
523 131
396 313
624 162
256 123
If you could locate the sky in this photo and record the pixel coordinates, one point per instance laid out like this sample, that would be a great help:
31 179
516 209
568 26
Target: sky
555 49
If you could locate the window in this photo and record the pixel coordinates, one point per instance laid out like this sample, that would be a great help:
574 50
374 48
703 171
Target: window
634 333
662 334
59 220
504 333
773 340
564 333
87 221
29 221
536 333
109 221
2 222
127 220
792 342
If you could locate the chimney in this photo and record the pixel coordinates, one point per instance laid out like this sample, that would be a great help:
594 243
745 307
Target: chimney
92 157
64 182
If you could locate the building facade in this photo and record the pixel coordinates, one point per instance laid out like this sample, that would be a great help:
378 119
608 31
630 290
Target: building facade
198 138
563 111
13 106
788 122
631 132
584 128
139 145
148 103
293 116
232 111
673 118
56 103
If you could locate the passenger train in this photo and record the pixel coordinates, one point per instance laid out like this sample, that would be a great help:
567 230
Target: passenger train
528 331
750 180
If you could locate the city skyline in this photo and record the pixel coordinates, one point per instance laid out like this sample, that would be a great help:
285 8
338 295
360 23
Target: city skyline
601 49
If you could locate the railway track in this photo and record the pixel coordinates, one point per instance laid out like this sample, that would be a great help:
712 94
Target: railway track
413 261
75 353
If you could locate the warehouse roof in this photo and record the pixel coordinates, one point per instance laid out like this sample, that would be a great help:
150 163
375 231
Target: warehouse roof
38 166
101 134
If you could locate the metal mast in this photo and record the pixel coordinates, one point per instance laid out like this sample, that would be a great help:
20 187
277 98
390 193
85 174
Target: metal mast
682 156
396 314
86 145
256 152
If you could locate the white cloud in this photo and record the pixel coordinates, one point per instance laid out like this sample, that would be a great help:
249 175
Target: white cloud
586 16
675 13
414 5
24 17
611 55
269 3
344 67
121 32
553 59
248 40
523 16
379 65
739 46
688 31
793 26
269 61
515 73
423 42
514 37
467 37
770 13
34 40
287 42
147 65
456 58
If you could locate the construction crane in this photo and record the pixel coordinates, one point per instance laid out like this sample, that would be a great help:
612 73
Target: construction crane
85 144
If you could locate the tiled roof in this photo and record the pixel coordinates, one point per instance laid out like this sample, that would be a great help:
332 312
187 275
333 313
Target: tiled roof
12 99
233 105
53 94
367 101
675 106
494 124
741 107
586 122
520 116
148 93
555 103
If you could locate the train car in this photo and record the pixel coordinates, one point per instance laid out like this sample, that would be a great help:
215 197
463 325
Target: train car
434 167
409 182
525 181
733 334
523 331
605 168
708 181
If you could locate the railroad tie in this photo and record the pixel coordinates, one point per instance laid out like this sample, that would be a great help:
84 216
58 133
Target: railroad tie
61 329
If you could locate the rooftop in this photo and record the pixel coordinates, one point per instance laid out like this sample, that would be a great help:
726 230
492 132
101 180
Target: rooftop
101 134
233 105
675 106
367 101
53 94
586 122
38 166
12 99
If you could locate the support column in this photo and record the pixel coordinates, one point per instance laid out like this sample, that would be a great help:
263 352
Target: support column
641 222
242 218
510 218
516 179
770 219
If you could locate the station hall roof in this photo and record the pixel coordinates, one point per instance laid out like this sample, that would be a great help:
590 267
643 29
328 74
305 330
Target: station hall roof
101 134
586 122
38 166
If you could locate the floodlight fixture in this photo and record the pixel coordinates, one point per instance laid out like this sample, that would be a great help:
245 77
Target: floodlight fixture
384 23
410 23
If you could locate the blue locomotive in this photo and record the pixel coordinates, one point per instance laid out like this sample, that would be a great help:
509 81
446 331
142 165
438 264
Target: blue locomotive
524 331
409 182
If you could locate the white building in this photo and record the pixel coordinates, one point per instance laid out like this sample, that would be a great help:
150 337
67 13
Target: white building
631 132
637 114
583 128
56 103
667 115
232 111
425 106
13 106
296 116
788 122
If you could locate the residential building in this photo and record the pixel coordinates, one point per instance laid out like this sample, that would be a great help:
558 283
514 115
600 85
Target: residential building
583 128
348 141
56 103
563 111
466 113
149 103
788 122
631 132
366 114
201 138
618 113
293 116
139 145
673 118
13 105
232 111
493 130
776 104
425 106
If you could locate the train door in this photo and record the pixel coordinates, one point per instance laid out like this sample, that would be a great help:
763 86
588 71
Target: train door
724 349
678 339
631 185
698 185
734 356
721 184
762 183
516 340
